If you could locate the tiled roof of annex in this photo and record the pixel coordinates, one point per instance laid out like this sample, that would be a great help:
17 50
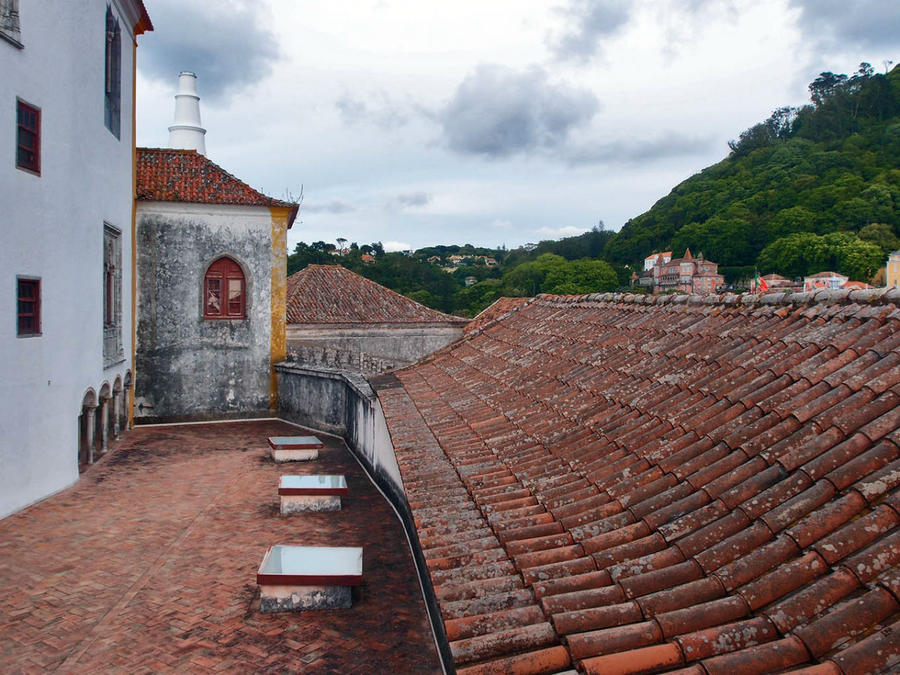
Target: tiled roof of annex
169 175
631 484
332 294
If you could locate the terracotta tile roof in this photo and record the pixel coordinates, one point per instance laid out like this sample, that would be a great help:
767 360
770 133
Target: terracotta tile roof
630 484
144 23
500 308
333 294
168 175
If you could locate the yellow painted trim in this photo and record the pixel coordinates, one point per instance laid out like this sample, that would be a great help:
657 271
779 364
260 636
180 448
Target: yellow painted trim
278 345
130 402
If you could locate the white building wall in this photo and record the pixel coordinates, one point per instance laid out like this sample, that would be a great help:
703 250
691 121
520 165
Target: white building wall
52 228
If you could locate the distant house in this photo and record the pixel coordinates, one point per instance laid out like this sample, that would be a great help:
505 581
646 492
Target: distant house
646 277
777 283
341 320
893 270
688 274
435 260
655 259
824 280
367 258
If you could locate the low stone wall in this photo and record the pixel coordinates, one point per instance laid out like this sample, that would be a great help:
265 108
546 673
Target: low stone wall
343 403
370 348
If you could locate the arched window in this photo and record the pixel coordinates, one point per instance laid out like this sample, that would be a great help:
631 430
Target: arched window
224 290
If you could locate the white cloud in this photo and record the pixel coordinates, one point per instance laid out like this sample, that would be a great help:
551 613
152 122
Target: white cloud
394 246
560 232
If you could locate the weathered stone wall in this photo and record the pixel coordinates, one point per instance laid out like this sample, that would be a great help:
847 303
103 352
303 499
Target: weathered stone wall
188 367
367 348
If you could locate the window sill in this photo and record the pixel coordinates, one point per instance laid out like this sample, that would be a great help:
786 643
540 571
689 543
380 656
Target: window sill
27 170
11 40
29 335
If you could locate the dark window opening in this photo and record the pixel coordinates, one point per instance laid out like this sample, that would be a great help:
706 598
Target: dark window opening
113 85
28 294
224 291
28 137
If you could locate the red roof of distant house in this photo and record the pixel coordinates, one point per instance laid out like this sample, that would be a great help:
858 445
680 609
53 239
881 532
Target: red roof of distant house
625 483
825 275
333 294
168 175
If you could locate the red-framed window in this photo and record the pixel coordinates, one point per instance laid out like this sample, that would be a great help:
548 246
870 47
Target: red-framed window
28 295
224 291
28 137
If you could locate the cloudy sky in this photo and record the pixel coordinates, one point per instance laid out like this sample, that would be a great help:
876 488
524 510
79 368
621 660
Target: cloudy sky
418 122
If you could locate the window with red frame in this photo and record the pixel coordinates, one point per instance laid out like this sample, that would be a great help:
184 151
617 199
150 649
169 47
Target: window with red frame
224 291
28 137
28 295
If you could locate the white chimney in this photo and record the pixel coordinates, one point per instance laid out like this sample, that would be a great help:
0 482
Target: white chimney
186 132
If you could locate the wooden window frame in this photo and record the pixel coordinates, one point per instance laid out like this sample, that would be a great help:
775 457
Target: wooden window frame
21 128
219 274
35 314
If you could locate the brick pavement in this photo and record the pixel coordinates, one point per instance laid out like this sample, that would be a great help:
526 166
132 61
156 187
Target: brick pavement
148 565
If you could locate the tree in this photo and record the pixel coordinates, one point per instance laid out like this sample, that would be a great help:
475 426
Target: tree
805 253
882 236
580 276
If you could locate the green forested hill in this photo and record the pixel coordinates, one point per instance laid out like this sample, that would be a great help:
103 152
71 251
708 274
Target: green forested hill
814 187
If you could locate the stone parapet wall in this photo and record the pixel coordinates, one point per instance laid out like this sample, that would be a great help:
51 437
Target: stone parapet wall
344 403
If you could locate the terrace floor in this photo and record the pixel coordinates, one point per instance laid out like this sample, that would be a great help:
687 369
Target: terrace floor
148 565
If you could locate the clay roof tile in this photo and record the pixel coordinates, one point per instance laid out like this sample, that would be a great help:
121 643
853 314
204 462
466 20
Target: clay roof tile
720 451
167 175
330 294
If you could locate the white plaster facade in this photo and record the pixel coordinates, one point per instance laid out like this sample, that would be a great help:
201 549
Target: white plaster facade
53 230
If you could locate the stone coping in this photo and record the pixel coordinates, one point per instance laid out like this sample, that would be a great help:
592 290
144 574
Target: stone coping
873 296
312 485
284 565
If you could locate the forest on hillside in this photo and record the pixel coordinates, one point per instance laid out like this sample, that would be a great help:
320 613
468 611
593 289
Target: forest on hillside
468 284
809 189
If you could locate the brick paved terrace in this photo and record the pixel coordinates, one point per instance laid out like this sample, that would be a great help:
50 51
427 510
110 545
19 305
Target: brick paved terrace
148 565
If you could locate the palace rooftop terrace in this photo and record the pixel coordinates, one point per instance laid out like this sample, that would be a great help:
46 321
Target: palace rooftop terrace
149 564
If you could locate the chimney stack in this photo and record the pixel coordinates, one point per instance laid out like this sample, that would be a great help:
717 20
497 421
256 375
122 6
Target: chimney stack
186 132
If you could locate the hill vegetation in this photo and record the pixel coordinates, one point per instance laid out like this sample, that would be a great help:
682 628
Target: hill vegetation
477 276
810 189
832 166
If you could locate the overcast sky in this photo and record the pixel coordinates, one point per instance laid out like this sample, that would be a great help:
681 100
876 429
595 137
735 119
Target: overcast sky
417 122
